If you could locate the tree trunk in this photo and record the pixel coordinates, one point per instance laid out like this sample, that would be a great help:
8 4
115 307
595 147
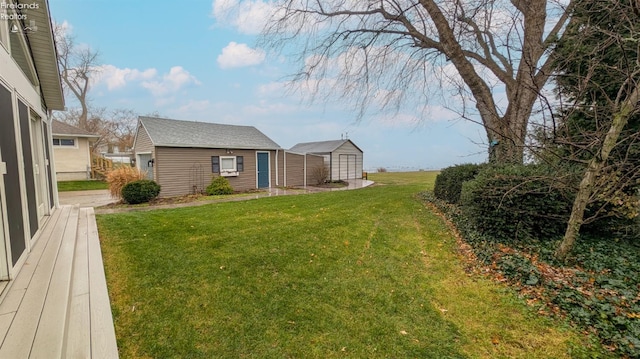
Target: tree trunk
82 119
506 151
585 190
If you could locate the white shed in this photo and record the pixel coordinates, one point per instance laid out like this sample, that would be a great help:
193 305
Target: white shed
342 157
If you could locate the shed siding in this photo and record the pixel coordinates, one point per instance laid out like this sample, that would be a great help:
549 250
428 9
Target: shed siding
313 161
178 169
344 167
295 170
144 145
143 141
281 169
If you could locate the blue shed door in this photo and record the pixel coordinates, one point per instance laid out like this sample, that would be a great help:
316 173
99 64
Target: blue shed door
263 169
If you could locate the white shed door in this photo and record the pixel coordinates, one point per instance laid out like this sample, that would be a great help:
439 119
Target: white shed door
347 167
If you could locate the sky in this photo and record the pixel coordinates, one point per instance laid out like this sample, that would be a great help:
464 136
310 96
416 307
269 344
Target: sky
190 61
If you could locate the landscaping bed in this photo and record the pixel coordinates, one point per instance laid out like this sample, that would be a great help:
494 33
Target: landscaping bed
597 289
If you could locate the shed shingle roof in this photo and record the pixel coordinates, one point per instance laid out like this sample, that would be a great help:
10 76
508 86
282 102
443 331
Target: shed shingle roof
64 129
175 133
318 147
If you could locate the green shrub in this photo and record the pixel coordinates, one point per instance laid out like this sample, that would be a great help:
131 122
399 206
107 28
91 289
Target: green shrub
449 181
219 185
517 202
140 191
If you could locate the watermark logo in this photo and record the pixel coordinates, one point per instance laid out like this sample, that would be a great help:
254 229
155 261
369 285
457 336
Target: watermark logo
11 6
10 11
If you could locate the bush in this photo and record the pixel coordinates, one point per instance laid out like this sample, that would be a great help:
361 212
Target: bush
517 202
119 177
140 191
449 181
219 185
320 174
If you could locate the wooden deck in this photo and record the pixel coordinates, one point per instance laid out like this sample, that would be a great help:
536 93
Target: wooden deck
58 305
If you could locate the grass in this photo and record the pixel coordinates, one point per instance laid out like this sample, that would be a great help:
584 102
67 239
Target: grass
370 273
65 186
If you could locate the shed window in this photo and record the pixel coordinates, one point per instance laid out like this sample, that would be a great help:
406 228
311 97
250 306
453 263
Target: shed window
65 142
227 165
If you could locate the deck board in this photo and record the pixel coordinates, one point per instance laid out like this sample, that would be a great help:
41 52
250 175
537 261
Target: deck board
51 328
78 340
103 337
58 305
19 339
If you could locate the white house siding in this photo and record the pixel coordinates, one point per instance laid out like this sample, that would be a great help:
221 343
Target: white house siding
73 163
346 162
178 170
26 190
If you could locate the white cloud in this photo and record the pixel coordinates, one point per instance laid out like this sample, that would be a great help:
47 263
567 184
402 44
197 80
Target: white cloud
249 17
172 82
240 55
271 89
195 106
265 108
116 78
64 28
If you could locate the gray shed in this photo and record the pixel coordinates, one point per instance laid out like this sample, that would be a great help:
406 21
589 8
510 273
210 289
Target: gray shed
184 156
342 157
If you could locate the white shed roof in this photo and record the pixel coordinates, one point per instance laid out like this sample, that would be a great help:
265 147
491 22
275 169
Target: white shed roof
321 146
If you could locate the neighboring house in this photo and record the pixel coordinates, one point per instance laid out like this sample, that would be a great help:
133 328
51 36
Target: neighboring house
114 153
29 89
343 158
183 157
72 151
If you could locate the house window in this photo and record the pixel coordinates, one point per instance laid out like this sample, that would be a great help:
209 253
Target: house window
64 142
227 165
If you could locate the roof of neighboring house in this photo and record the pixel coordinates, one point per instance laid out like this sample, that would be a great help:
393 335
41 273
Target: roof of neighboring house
175 133
59 128
321 146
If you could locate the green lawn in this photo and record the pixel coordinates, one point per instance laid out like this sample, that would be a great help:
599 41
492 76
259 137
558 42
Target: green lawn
64 186
369 273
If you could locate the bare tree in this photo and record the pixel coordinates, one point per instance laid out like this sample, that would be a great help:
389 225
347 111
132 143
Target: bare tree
77 65
496 52
600 72
116 128
93 122
122 128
